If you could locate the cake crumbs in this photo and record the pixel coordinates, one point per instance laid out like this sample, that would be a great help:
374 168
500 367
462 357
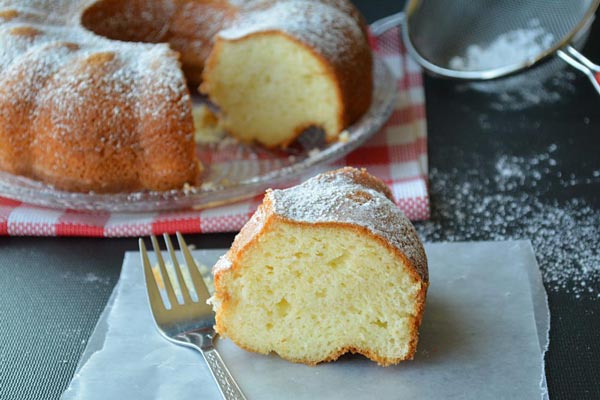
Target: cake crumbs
314 152
344 136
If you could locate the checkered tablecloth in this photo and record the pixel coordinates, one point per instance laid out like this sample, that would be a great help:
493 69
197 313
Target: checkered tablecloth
397 154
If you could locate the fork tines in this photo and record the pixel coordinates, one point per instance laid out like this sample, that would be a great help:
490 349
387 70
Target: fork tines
191 290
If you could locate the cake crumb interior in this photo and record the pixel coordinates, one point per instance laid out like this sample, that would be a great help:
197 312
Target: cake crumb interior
269 85
309 292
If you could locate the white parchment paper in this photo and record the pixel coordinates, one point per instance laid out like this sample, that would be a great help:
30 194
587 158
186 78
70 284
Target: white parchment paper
483 336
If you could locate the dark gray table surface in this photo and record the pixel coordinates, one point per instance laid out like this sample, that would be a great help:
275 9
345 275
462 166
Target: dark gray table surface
491 178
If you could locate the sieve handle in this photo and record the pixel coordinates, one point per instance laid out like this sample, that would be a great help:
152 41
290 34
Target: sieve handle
578 61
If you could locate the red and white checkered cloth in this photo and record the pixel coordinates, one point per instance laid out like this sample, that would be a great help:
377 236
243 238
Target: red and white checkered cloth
397 154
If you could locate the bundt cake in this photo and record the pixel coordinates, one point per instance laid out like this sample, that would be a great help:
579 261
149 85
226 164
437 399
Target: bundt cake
84 108
324 268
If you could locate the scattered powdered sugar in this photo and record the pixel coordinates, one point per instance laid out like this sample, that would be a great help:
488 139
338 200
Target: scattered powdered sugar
513 47
514 171
510 173
565 234
93 278
88 277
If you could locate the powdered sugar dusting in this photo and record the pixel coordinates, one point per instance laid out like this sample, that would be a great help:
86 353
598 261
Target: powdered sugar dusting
565 234
323 27
61 73
42 46
544 83
340 198
513 47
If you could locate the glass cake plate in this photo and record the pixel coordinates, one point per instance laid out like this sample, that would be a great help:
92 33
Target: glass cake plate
233 170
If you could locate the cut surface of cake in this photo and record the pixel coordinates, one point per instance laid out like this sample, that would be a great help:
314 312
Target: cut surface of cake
324 268
277 72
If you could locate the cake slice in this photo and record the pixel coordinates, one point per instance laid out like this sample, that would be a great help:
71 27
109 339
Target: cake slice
324 268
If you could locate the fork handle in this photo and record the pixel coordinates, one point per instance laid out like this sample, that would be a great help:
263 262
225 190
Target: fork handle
227 385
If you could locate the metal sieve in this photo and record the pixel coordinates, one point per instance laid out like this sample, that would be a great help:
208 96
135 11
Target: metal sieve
487 39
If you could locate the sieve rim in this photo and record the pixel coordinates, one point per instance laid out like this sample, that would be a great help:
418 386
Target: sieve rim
491 73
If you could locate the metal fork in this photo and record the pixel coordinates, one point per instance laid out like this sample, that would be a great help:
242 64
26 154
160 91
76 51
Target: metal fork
191 323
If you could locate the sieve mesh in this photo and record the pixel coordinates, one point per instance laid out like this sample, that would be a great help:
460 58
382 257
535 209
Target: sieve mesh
493 37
